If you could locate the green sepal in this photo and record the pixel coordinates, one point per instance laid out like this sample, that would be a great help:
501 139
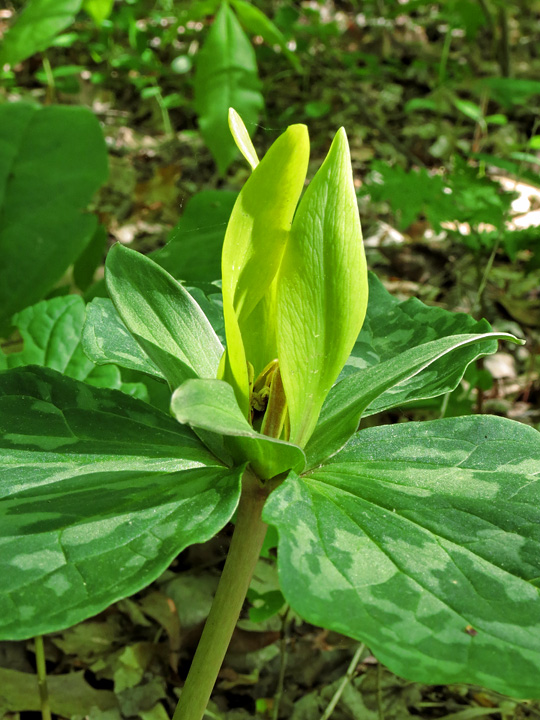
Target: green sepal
211 405
162 316
348 399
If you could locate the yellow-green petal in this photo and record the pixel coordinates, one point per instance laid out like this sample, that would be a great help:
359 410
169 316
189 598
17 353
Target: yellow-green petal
322 290
242 139
256 236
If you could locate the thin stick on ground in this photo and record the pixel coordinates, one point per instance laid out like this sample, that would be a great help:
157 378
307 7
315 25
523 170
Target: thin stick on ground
347 678
283 663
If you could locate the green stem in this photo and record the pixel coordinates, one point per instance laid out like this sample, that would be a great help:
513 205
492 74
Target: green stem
480 292
348 677
51 85
166 118
242 558
42 678
444 55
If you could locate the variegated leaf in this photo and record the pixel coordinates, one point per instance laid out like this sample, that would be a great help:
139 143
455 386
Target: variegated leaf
98 493
423 541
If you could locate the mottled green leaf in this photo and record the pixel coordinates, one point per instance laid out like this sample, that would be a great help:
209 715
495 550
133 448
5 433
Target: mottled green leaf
98 493
348 399
51 337
226 76
107 340
193 249
52 160
392 326
211 405
162 317
35 28
423 541
321 290
256 236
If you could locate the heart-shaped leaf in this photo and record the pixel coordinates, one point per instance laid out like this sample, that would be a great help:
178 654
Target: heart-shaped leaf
98 493
422 540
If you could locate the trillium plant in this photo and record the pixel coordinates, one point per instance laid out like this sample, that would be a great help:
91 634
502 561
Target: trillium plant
420 539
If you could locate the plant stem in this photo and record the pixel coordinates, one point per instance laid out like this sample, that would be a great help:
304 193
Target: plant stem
348 677
241 560
51 86
445 55
167 126
480 292
42 678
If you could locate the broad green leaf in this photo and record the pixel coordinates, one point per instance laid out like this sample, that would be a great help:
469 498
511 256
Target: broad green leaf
256 23
35 28
98 493
422 540
242 139
51 337
211 405
226 76
322 290
347 401
90 259
193 250
256 236
107 340
162 317
52 160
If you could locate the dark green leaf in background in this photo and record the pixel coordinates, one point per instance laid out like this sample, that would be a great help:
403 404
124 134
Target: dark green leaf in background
35 28
98 493
52 160
193 250
256 23
226 76
423 541
90 259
